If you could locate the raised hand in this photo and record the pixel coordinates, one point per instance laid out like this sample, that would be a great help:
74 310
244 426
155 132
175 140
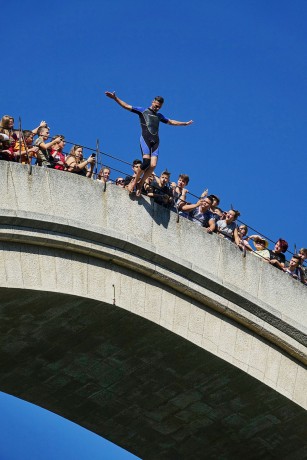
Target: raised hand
110 95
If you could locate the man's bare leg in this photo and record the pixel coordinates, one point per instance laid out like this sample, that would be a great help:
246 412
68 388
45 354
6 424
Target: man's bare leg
147 173
137 177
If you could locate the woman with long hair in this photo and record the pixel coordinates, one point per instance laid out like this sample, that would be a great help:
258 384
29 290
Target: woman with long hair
76 164
7 127
227 227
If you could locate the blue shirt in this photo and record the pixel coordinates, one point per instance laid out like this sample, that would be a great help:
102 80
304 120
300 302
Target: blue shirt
201 218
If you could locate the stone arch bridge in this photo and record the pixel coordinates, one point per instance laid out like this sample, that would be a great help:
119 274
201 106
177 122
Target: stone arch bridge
149 332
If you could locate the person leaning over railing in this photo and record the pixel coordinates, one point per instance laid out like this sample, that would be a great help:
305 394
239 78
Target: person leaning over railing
261 245
200 213
180 193
242 233
6 151
77 165
162 193
216 211
43 158
227 227
104 175
23 149
136 165
57 157
179 190
7 127
277 258
294 269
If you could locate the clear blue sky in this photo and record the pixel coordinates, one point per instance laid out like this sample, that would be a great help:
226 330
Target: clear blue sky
237 68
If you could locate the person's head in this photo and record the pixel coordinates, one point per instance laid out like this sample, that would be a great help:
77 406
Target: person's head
260 243
303 254
242 230
59 145
205 203
77 152
231 216
164 177
120 181
157 103
183 180
43 131
28 136
136 165
7 122
219 212
216 200
104 173
294 261
280 246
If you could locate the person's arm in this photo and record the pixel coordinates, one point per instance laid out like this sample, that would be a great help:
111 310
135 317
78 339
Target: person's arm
70 163
211 227
42 123
190 207
182 194
123 104
251 237
73 166
47 145
91 161
217 226
276 263
179 123
247 246
31 152
244 244
236 236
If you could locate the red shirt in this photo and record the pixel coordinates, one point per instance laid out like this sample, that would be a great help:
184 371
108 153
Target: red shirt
57 156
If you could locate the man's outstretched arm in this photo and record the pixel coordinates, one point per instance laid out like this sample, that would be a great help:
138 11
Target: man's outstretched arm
123 104
179 123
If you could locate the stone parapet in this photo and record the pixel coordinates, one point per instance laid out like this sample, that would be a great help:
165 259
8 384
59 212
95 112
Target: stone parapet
62 211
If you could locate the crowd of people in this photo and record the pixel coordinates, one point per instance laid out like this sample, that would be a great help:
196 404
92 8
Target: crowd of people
37 147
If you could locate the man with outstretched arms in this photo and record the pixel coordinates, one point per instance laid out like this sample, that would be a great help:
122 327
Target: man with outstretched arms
150 120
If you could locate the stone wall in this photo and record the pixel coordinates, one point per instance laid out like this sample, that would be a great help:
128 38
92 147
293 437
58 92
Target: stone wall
63 233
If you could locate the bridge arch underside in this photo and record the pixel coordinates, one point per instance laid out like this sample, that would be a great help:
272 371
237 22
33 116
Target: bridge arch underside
138 384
